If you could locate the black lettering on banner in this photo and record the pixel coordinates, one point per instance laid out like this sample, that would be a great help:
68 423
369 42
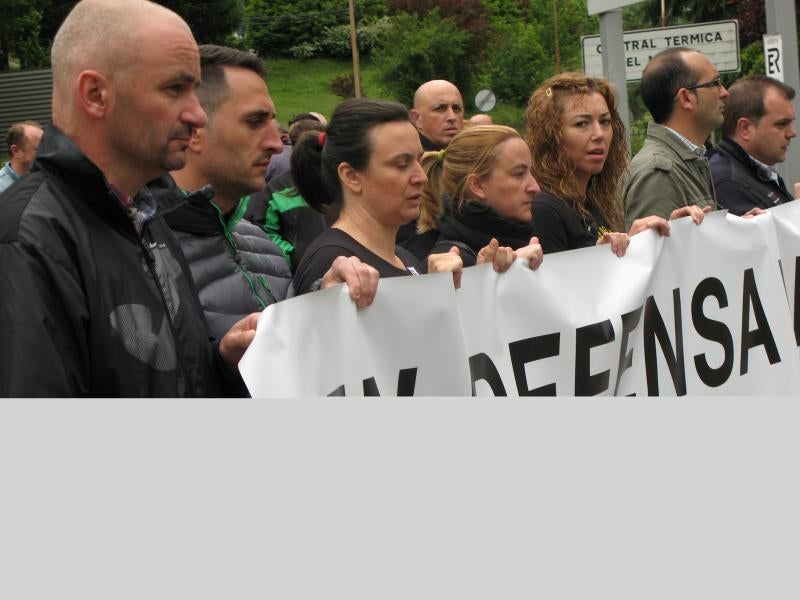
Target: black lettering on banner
370 387
406 383
529 350
796 315
715 331
629 322
482 367
586 338
654 327
762 334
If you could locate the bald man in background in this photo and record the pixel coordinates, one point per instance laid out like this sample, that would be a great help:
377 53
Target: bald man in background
438 113
481 119
102 303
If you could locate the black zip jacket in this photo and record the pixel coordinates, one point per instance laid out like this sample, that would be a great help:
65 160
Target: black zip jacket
90 308
740 184
236 268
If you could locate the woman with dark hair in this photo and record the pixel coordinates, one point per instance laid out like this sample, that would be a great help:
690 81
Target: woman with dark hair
367 166
578 144
485 174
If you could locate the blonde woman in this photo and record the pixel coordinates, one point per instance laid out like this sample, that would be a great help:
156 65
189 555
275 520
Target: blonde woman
485 177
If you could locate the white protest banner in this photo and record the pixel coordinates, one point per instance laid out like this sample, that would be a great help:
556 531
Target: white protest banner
702 312
531 332
786 219
409 342
737 327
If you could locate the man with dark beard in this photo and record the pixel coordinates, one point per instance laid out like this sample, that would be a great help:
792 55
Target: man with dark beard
236 267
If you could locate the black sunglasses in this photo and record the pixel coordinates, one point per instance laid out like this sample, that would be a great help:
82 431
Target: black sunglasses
713 83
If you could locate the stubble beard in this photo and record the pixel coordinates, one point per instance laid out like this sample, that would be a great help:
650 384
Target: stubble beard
175 160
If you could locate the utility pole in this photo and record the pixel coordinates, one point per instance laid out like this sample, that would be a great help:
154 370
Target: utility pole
556 38
354 46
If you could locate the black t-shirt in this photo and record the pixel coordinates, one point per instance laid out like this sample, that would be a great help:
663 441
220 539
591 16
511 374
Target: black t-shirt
560 227
333 243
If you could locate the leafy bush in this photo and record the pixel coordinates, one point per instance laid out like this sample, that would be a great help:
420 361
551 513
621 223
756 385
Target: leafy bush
519 61
639 132
469 15
752 59
335 41
227 16
19 36
275 27
344 86
304 50
415 50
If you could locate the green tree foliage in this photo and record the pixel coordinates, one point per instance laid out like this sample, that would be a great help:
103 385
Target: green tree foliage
335 41
33 24
749 13
469 15
522 44
417 49
274 27
212 21
19 35
53 14
508 9
752 59
519 61
573 22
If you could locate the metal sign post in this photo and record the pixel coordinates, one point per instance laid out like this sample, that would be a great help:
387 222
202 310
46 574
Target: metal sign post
614 63
610 12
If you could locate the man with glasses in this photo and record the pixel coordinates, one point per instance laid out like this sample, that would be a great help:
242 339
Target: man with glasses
758 127
682 90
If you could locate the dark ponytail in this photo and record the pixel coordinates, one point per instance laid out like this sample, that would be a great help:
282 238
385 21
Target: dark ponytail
315 165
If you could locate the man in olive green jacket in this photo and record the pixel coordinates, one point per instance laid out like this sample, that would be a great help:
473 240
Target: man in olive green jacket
683 92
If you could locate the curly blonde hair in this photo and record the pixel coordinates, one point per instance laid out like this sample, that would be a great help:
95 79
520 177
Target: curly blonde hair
554 170
471 153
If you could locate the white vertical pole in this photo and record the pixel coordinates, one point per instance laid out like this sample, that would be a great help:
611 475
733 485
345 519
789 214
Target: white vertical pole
614 62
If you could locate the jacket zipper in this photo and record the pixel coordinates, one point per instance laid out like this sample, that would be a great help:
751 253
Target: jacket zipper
237 261
147 247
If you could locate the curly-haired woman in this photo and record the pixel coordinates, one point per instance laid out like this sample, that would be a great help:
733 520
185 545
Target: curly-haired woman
577 141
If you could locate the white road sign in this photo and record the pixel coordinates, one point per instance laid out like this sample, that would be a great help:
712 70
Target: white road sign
773 55
719 41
